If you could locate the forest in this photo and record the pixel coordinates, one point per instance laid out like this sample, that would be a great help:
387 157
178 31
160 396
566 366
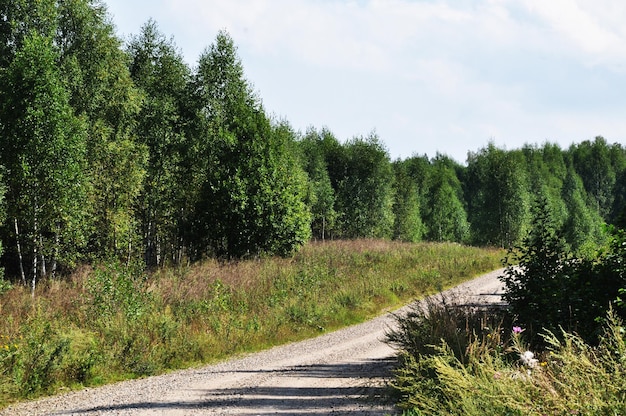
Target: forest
121 150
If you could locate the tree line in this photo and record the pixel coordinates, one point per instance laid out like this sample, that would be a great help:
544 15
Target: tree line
121 150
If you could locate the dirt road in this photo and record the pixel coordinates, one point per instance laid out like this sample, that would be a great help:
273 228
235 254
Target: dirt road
339 373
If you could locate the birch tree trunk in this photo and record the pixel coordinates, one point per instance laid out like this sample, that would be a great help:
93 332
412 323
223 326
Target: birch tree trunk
35 251
19 252
55 255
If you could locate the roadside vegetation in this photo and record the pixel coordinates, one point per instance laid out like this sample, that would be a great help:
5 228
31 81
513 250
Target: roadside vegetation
557 348
154 216
483 365
113 322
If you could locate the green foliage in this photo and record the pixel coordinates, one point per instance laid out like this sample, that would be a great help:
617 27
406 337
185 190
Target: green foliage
408 225
539 278
498 196
117 167
546 286
116 322
114 289
31 361
583 228
5 286
365 191
618 211
495 372
593 162
547 170
20 19
446 216
289 226
610 271
321 195
71 100
43 150
160 72
258 190
39 359
102 92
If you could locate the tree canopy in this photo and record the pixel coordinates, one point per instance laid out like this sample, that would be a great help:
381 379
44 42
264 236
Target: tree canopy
113 150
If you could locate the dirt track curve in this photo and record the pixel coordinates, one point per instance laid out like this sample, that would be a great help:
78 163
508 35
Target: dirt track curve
339 373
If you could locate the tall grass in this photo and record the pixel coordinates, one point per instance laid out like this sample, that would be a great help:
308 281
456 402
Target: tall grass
111 322
460 361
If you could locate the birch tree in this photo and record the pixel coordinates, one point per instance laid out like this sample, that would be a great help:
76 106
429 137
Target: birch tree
158 70
251 199
498 196
42 146
101 90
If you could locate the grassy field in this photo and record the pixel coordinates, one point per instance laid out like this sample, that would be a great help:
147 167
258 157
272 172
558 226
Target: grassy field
112 322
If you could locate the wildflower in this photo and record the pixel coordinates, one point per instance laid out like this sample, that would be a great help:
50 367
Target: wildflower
528 359
517 329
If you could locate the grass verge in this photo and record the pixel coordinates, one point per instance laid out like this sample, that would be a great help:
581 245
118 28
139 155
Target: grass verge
463 361
113 322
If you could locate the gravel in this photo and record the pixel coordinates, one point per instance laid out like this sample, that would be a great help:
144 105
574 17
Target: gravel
340 373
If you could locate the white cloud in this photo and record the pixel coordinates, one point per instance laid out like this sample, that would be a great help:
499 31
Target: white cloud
334 34
427 75
593 30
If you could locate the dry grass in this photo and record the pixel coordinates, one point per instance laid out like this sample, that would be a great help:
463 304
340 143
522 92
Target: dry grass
463 361
108 322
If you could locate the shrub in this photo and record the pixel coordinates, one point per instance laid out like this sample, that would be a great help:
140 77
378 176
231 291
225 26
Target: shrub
499 375
421 330
546 287
37 358
115 288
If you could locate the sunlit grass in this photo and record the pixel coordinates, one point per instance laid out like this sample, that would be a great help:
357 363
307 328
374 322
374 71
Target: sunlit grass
111 322
462 361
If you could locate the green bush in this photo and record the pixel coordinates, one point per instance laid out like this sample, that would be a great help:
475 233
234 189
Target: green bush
497 373
38 357
437 319
115 288
547 287
5 285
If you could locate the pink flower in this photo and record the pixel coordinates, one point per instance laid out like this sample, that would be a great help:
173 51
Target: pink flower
517 329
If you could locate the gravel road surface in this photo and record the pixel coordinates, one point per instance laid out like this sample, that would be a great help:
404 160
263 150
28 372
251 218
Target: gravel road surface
339 373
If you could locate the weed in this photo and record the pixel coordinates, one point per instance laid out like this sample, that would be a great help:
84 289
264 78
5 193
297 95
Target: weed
114 322
115 288
5 285
492 372
37 358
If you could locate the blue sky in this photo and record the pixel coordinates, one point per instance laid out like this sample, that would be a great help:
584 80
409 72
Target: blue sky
426 76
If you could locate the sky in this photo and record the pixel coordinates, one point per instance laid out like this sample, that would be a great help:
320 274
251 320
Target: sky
425 76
